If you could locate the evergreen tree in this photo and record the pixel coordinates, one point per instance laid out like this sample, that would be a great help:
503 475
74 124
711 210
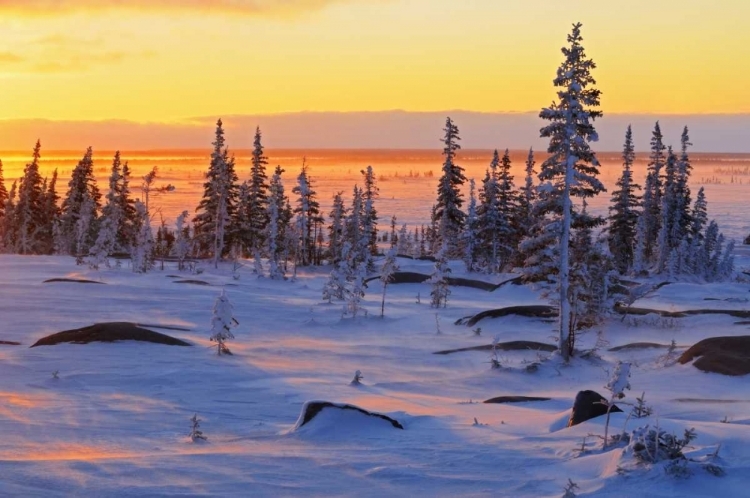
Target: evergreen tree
277 226
652 196
471 231
387 274
369 193
142 251
29 213
222 323
257 205
51 215
309 219
3 191
336 228
83 200
217 206
128 215
570 171
490 219
507 208
526 198
623 216
242 233
182 243
448 214
439 280
8 233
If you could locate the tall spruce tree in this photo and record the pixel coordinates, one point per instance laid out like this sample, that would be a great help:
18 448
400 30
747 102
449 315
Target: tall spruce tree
570 172
652 197
30 217
211 224
257 205
448 215
336 229
369 193
277 226
471 231
3 191
623 213
79 209
309 219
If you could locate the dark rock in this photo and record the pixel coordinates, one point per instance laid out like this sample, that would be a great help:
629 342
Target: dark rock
312 408
588 405
72 280
515 399
627 310
640 345
190 281
10 343
109 332
506 346
723 355
410 277
747 241
531 311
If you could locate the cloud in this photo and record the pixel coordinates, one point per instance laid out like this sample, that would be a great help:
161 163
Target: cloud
72 60
9 57
247 7
388 129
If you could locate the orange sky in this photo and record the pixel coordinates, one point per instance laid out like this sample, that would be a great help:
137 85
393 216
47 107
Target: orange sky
169 60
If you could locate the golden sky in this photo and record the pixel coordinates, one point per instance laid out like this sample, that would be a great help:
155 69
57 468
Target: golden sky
167 60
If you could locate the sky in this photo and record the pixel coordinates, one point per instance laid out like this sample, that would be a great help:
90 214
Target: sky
99 70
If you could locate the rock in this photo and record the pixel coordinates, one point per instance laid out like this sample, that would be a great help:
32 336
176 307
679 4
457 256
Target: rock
191 281
640 345
515 399
723 355
109 332
506 346
588 405
747 241
531 311
71 280
312 409
10 343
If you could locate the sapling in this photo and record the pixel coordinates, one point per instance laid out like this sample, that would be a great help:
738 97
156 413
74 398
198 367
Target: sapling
494 359
357 378
570 489
477 331
222 323
56 374
618 383
195 432
641 409
387 273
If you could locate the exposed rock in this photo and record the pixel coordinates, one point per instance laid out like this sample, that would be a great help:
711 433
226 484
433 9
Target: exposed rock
410 277
588 405
640 345
723 355
72 280
190 281
312 408
10 343
532 311
109 332
506 346
515 399
626 310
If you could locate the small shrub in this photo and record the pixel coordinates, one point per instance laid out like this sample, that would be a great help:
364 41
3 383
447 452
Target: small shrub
570 489
357 380
641 409
195 432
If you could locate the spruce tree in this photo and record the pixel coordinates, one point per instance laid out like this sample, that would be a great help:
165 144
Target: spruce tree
624 214
8 233
652 196
129 216
471 231
448 215
257 205
507 207
370 192
570 171
29 214
3 191
490 219
216 208
336 228
527 197
309 219
83 200
277 226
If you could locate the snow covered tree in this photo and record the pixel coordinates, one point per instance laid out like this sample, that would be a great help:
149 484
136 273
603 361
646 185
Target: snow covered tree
623 213
507 208
471 231
3 191
222 323
335 287
490 220
183 242
142 250
527 197
29 212
448 214
50 216
83 199
370 216
241 230
652 198
356 290
8 233
387 274
570 171
618 383
438 280
277 226
336 228
257 205
128 214
308 220
217 206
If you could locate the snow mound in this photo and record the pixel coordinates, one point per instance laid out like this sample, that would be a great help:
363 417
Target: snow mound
327 418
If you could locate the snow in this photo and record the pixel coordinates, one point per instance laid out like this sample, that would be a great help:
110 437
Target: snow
116 421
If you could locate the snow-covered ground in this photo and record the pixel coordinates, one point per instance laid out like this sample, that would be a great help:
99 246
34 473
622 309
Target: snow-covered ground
115 422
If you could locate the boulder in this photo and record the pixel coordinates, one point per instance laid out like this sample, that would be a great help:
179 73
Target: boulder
515 399
723 355
109 332
588 405
312 409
